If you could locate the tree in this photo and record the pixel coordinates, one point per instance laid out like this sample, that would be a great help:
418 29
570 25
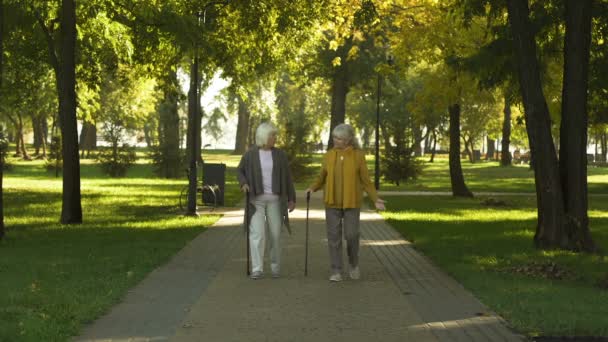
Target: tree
3 143
555 229
573 129
62 56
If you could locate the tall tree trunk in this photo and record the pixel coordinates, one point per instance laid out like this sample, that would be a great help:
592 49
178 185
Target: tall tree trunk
417 130
604 146
459 188
505 157
339 90
573 129
18 148
1 148
434 148
88 138
71 211
36 127
170 164
242 127
550 230
491 148
20 134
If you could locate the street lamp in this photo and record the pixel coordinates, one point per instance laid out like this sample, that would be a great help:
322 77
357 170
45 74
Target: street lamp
194 114
389 61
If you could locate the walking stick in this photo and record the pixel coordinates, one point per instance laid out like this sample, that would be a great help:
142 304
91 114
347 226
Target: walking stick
306 248
247 230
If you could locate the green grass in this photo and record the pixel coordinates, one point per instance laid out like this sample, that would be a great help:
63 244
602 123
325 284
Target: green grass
55 278
490 251
486 177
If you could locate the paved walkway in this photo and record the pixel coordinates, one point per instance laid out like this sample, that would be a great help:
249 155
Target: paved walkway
203 294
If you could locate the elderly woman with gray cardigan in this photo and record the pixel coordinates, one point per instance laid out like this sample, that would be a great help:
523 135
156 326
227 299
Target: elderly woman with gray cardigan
264 173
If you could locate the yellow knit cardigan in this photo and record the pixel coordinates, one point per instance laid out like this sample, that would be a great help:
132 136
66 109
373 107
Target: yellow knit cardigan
355 178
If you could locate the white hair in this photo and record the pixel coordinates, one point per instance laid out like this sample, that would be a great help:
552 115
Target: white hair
263 132
346 132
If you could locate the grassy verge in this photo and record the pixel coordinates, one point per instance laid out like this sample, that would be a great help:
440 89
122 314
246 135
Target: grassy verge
56 278
487 177
489 250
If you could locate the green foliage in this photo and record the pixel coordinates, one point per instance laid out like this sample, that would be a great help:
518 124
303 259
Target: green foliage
4 166
400 165
54 162
165 163
116 161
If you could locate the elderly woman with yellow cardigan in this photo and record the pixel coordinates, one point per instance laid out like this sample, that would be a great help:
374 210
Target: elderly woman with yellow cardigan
344 176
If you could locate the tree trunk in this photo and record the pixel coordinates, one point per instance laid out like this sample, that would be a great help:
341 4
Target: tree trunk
491 148
17 140
36 127
505 157
573 129
417 140
550 230
459 188
1 149
20 134
434 148
71 211
170 165
88 138
604 146
339 90
242 127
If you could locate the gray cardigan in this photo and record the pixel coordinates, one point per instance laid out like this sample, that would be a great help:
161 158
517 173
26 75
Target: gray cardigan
249 172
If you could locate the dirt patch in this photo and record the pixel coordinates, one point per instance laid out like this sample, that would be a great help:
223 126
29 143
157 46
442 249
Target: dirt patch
547 270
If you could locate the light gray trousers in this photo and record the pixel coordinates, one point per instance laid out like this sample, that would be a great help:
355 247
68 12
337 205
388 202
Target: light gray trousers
267 210
336 220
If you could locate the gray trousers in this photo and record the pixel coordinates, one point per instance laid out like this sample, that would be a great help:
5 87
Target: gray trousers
336 219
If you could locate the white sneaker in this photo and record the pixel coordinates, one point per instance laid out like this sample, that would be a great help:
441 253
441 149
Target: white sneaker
335 277
256 275
354 272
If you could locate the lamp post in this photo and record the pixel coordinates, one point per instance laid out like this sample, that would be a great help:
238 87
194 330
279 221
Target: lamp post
389 61
194 108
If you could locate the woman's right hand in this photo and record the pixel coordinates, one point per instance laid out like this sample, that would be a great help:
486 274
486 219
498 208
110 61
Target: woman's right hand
245 188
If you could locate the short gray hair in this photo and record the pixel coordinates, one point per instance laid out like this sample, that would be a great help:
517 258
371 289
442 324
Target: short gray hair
346 132
263 132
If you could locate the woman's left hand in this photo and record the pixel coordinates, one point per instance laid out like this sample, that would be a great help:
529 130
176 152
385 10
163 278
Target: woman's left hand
379 204
291 205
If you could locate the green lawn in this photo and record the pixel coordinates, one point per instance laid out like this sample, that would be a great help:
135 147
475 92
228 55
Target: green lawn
487 177
479 177
489 250
56 278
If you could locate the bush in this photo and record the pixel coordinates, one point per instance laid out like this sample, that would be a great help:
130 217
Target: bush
399 164
167 164
116 161
3 149
55 160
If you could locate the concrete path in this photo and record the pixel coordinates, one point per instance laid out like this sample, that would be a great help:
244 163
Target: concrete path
203 294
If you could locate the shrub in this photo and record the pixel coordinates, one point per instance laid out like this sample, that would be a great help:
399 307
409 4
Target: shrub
55 158
399 164
116 161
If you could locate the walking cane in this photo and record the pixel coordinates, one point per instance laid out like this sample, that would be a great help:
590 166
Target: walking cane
247 230
306 248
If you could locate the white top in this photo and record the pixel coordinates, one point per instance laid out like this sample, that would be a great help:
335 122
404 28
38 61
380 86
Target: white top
266 162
